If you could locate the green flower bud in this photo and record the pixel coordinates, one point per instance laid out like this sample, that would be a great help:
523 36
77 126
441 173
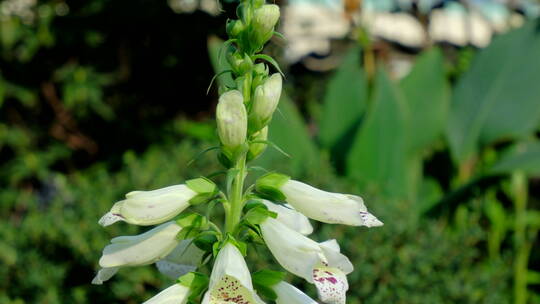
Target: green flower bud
234 28
257 148
231 119
265 102
264 20
240 65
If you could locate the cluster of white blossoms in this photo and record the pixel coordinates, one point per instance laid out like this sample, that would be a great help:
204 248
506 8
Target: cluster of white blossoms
275 211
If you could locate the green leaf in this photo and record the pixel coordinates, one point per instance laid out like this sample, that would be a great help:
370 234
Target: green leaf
264 280
270 60
214 49
498 97
231 175
205 241
378 157
344 102
258 215
196 281
533 277
192 220
524 157
201 185
288 131
268 277
427 94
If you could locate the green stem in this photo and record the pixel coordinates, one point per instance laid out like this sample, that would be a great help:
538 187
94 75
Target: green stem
236 196
519 185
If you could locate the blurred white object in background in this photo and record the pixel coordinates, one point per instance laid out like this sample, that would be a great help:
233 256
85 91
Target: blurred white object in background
309 27
401 28
211 7
455 25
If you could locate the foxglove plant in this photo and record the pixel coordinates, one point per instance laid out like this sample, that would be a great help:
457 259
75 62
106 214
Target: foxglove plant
274 211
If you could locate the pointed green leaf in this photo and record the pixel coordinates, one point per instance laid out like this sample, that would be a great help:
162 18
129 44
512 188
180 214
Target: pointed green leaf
377 159
498 97
345 100
427 94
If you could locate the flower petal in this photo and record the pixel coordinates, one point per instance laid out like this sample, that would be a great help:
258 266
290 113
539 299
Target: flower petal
230 281
290 217
183 259
104 274
331 284
328 207
141 249
288 294
176 294
335 258
150 207
294 252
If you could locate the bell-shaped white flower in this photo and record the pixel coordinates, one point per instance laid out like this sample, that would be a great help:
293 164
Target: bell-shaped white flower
142 249
288 294
183 259
137 250
290 217
230 281
318 263
175 294
323 206
150 207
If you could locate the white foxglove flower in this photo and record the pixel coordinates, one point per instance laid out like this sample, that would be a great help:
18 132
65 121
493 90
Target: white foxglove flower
230 281
323 206
318 263
288 294
176 294
290 217
137 250
231 118
265 101
183 259
150 207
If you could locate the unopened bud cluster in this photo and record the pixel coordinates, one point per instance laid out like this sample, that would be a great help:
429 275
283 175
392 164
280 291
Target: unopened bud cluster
275 210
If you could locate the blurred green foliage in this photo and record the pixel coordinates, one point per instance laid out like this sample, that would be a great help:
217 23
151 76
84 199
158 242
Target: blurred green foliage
439 156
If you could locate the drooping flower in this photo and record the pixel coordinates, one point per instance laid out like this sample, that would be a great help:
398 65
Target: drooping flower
230 281
183 259
288 294
323 206
175 294
150 207
137 250
290 217
318 263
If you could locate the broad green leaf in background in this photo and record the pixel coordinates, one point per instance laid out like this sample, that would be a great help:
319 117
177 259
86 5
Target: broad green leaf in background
524 157
499 96
378 156
344 101
427 94
219 61
288 131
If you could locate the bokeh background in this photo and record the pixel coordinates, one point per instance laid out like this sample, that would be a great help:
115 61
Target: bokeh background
428 109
